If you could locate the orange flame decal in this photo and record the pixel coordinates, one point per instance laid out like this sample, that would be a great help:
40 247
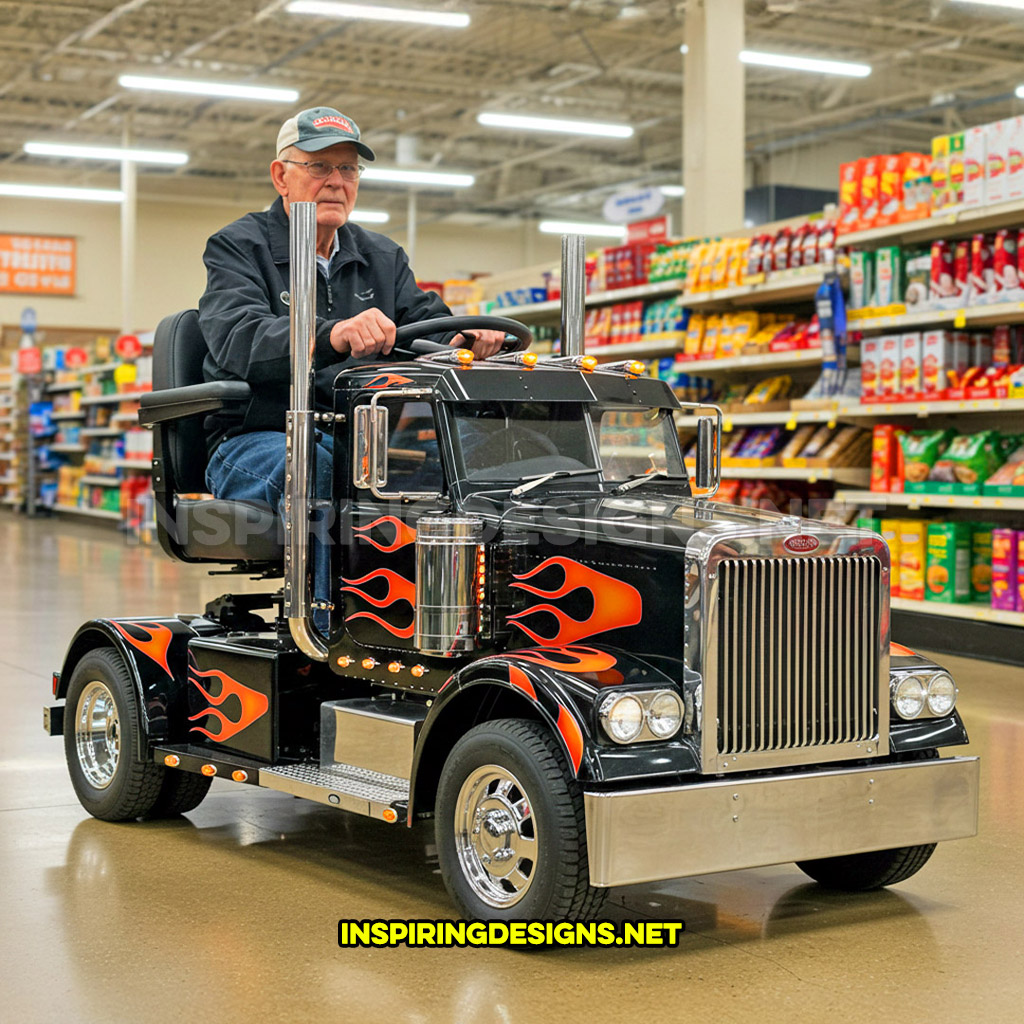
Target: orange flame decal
895 648
387 380
401 631
254 705
404 534
571 735
576 659
155 646
399 588
521 681
616 604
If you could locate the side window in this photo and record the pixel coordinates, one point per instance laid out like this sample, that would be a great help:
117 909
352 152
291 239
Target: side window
632 441
414 462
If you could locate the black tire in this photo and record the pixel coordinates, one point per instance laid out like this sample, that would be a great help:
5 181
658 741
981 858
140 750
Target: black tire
862 872
559 874
134 784
180 793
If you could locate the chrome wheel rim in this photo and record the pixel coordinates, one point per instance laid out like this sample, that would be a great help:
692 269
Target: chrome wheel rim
496 836
97 735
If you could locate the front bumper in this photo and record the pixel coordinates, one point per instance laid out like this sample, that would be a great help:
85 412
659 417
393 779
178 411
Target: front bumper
644 835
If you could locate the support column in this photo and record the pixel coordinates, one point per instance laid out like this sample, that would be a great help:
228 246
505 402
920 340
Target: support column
128 203
410 229
714 117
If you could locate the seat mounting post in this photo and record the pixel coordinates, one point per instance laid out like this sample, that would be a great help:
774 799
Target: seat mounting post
299 438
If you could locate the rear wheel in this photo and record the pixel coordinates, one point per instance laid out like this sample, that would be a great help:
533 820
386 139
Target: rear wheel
510 828
181 792
101 736
861 872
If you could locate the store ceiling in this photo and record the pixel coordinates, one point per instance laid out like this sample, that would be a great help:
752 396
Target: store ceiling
937 65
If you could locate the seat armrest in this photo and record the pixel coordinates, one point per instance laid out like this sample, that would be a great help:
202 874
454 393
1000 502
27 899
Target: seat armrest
177 403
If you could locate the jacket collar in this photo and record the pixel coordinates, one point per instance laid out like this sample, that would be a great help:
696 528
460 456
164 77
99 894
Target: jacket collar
277 220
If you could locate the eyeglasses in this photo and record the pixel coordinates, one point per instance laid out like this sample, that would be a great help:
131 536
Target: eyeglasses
322 169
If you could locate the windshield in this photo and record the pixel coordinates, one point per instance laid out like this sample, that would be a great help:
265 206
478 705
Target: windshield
509 441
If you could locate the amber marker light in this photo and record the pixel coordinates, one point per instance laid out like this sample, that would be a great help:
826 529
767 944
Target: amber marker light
369 663
209 769
172 760
529 359
395 666
344 661
418 671
636 367
239 776
464 356
588 362
390 815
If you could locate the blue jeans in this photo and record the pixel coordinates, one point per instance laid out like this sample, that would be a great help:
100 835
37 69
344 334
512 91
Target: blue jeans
250 467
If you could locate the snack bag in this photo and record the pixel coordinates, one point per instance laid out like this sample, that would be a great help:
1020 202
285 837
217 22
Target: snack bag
709 346
912 559
921 450
947 572
969 459
695 335
981 561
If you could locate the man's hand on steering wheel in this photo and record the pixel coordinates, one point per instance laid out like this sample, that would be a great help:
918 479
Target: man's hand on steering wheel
483 343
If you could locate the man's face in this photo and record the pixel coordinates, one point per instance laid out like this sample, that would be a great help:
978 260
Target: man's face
334 196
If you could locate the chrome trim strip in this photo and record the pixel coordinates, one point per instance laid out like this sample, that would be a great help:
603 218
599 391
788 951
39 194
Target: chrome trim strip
647 835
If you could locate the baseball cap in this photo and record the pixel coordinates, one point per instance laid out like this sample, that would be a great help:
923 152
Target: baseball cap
319 127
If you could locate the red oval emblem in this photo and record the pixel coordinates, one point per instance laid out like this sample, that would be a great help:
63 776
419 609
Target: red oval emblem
801 544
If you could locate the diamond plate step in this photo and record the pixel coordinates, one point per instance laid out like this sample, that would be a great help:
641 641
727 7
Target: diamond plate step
341 785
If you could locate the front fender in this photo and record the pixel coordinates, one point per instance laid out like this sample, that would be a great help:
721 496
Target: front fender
155 651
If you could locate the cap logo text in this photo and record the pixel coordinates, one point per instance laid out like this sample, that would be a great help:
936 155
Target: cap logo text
333 122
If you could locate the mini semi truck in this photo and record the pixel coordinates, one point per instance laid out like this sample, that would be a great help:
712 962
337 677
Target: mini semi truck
586 674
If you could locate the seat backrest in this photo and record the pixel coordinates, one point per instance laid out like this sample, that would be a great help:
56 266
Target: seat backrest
178 353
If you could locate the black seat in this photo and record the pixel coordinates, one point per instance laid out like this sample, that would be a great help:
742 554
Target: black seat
192 527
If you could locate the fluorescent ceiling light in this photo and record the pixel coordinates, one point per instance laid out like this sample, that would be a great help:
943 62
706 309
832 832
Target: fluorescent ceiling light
673 191
1016 5
794 63
222 89
93 195
555 124
568 227
370 216
373 12
140 156
437 178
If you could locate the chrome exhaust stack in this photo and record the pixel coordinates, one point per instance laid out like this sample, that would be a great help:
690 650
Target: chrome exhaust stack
574 293
299 437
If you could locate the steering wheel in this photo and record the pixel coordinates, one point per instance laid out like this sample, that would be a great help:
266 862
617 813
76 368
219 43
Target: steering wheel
407 336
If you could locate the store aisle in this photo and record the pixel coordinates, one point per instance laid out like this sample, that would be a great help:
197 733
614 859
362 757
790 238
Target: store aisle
231 912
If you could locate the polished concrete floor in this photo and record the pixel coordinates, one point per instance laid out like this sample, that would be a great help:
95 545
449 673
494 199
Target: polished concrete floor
230 913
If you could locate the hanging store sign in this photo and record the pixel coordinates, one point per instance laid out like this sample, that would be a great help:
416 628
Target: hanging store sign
37 265
30 361
637 204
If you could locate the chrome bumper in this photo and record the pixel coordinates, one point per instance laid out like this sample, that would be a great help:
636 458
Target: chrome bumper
645 835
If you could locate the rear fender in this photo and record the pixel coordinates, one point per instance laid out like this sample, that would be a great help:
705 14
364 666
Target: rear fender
155 651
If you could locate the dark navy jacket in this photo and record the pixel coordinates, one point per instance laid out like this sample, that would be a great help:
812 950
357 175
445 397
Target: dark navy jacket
245 318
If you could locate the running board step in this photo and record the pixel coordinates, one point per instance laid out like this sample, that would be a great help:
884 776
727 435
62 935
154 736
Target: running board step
385 797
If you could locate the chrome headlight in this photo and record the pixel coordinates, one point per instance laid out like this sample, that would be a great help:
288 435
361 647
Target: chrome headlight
641 715
942 694
923 694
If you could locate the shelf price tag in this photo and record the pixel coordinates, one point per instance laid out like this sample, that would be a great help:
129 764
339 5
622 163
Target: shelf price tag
791 423
831 423
960 320
727 425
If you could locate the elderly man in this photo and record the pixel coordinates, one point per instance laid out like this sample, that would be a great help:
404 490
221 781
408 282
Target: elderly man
364 288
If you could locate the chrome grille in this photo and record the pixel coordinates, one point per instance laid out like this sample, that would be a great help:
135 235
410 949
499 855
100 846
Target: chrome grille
797 652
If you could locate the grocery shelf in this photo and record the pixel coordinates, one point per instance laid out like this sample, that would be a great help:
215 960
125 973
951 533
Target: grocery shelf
64 386
98 513
853 475
977 612
875 410
765 362
140 465
7 479
946 224
637 349
100 432
58 416
62 446
966 316
132 396
784 286
794 416
543 310
975 502
99 368
7 419
101 481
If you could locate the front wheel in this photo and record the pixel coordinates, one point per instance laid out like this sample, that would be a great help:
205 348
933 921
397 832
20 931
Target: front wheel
862 872
102 723
510 828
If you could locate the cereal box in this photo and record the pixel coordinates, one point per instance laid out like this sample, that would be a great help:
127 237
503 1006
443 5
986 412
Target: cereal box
915 169
997 143
981 561
870 353
1005 565
890 189
890 530
868 192
849 196
889 366
910 364
947 574
974 166
912 558
936 360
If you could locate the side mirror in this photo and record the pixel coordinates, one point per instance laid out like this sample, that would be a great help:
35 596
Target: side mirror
708 455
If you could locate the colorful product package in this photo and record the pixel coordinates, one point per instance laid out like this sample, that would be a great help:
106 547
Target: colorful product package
912 558
1008 479
961 272
884 461
1005 565
868 192
915 169
888 275
1006 279
916 274
870 366
862 279
936 360
869 523
981 561
997 144
941 286
982 284
940 173
849 196
969 460
890 189
889 366
956 168
921 450
910 364
1015 158
890 530
974 165
948 563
